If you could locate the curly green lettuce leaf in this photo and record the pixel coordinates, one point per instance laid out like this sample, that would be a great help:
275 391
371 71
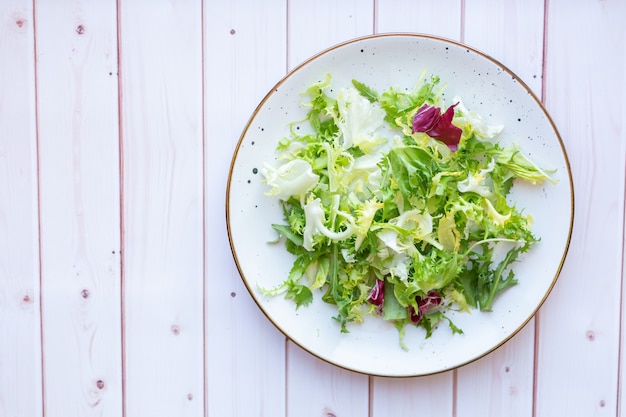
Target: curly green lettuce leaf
387 221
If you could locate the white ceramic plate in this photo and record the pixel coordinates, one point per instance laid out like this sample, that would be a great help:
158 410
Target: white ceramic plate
397 60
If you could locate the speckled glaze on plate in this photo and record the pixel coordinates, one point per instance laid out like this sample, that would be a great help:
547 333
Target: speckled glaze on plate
398 60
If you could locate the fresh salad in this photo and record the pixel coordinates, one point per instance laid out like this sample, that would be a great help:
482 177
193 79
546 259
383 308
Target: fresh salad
395 205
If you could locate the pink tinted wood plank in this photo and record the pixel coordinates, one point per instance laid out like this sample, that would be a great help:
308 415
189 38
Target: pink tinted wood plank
315 26
519 45
334 391
244 55
20 340
162 146
317 388
502 382
431 394
579 323
80 210
432 17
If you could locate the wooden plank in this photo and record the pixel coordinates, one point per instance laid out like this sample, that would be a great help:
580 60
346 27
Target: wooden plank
579 325
334 391
80 210
20 343
429 395
519 45
317 388
162 146
433 17
244 55
315 26
502 382
434 394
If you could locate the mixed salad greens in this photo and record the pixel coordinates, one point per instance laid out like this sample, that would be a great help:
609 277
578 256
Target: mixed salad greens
396 205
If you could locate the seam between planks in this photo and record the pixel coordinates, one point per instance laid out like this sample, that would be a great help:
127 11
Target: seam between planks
39 244
122 203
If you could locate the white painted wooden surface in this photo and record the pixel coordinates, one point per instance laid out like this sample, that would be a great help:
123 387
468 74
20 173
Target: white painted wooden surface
20 291
245 54
79 203
118 293
163 202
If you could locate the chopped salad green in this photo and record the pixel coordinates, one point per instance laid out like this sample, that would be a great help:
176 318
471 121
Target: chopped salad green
396 208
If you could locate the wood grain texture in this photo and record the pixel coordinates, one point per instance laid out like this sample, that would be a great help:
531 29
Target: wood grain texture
118 293
161 115
316 388
579 325
80 210
20 341
519 45
501 383
430 395
434 17
245 55
315 26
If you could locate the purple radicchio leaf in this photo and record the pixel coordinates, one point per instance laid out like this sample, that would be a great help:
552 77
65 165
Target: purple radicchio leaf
432 299
429 120
377 294
426 118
